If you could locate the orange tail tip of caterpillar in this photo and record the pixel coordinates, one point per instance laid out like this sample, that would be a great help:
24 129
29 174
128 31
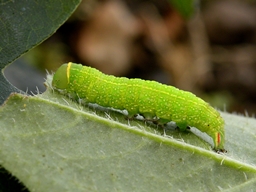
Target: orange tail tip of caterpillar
219 143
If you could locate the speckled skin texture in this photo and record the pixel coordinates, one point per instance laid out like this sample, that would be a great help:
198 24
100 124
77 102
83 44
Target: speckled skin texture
148 98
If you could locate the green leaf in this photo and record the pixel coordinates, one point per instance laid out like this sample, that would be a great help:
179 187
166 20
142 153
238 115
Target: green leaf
53 144
25 24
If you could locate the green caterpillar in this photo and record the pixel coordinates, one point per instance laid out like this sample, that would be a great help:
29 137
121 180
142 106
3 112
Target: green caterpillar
148 98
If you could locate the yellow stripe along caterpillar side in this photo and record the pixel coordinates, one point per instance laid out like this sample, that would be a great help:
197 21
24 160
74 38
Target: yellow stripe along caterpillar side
148 98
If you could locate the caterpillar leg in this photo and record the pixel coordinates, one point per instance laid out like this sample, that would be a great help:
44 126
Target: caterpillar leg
130 117
162 121
183 126
219 151
149 118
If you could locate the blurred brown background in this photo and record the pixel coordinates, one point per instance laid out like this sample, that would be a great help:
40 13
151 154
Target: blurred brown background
212 54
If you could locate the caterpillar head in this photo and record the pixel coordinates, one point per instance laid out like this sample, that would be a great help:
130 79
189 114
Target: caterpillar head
61 78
